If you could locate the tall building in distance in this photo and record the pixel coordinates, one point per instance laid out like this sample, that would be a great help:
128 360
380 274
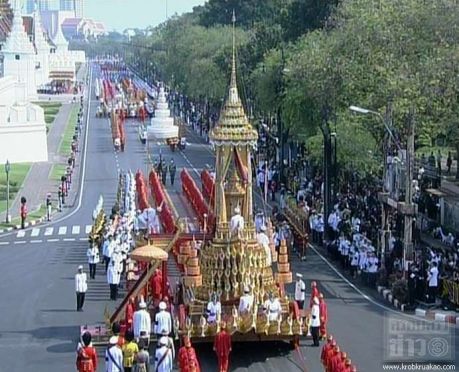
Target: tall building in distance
75 6
43 5
79 8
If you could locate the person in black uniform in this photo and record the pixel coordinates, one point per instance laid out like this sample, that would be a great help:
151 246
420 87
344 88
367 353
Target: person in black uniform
172 170
164 173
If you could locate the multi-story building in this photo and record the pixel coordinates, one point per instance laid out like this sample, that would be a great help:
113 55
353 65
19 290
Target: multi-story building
43 5
75 6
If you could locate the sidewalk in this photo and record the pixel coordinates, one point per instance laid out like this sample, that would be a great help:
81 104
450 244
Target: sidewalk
37 183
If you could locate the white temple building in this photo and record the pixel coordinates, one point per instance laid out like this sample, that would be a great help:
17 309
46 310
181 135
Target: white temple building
22 125
42 48
162 124
19 58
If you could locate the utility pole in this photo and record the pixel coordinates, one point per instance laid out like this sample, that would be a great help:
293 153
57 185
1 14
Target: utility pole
325 128
280 126
386 185
410 208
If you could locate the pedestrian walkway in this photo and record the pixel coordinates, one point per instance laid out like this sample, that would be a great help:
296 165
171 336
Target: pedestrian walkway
60 232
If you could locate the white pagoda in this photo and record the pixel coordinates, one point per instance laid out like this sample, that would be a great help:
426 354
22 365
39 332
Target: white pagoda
42 48
162 124
19 55
62 65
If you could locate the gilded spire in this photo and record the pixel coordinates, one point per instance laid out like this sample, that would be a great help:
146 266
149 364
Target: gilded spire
233 83
233 126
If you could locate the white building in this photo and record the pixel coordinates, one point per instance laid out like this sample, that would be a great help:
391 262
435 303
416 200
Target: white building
43 50
22 125
19 59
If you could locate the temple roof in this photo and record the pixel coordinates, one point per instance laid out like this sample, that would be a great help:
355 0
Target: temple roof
18 41
233 125
41 44
60 41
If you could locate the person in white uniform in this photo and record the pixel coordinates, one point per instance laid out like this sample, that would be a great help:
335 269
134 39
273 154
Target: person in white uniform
93 259
142 323
272 308
163 356
81 286
113 356
300 291
259 221
214 309
245 302
263 240
163 320
237 222
315 321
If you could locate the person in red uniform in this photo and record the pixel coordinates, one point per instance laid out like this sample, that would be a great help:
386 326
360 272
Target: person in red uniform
314 293
332 354
340 363
328 346
347 365
86 355
222 347
23 212
130 308
156 284
323 311
187 359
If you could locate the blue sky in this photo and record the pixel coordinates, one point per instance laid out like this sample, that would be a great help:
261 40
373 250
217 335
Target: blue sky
121 14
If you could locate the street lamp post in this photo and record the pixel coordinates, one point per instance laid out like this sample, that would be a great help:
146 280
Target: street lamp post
7 171
327 168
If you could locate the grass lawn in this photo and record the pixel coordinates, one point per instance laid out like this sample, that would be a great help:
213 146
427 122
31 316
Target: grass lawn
40 212
57 171
18 173
65 145
51 109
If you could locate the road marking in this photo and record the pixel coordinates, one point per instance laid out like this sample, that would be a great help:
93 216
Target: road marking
21 234
75 230
83 239
49 231
88 229
68 239
36 241
4 243
35 232
20 242
52 240
190 164
62 230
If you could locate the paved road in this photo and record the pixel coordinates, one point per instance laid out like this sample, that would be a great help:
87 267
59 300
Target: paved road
39 326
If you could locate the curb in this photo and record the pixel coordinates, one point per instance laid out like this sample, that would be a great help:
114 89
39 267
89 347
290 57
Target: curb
437 316
26 225
387 295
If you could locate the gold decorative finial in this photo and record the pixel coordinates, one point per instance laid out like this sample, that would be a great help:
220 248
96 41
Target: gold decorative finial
233 67
233 125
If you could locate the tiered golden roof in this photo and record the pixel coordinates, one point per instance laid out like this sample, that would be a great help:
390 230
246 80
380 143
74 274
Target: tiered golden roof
233 126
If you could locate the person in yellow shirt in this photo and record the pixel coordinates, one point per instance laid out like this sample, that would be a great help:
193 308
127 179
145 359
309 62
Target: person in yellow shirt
130 350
